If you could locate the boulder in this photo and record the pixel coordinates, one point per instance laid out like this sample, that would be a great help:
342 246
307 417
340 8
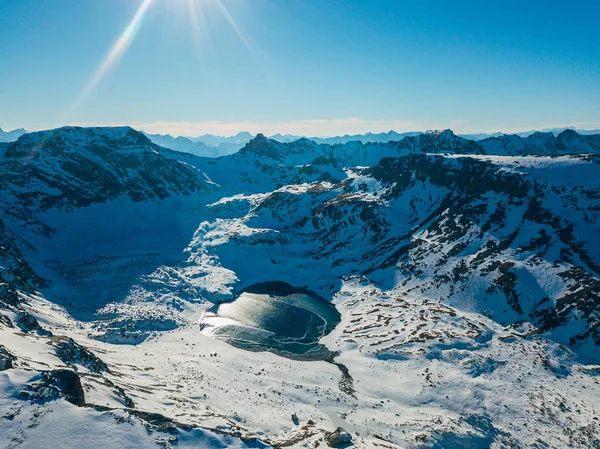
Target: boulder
27 323
69 384
6 359
338 438
53 385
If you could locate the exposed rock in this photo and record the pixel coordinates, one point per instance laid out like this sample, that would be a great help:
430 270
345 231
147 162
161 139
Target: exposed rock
9 297
96 165
52 385
127 401
338 438
6 321
262 146
28 323
72 353
6 359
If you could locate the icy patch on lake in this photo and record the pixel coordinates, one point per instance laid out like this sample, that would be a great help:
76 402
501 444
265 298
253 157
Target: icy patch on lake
274 317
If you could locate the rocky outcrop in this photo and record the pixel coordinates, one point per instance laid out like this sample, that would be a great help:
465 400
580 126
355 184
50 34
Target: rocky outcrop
76 167
6 359
6 321
28 323
73 354
338 438
53 385
9 296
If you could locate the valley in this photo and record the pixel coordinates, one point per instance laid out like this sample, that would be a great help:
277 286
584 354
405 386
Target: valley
430 292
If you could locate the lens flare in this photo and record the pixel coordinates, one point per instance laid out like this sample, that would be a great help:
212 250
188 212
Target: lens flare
244 38
116 52
200 32
252 47
199 27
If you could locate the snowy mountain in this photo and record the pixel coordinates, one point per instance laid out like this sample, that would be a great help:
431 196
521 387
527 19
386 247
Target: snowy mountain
466 277
75 167
551 142
240 138
363 138
11 136
555 131
197 148
305 151
567 142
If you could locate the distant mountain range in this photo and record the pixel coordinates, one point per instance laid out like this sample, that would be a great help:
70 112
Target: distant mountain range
537 143
204 146
555 131
364 138
209 145
11 136
212 146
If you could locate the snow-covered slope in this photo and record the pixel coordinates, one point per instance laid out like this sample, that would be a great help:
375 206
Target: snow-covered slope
468 286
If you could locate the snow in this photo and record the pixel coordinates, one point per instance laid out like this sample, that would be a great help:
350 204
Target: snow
437 355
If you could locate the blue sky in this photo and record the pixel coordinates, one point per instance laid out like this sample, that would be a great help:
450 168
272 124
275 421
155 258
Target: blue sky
315 67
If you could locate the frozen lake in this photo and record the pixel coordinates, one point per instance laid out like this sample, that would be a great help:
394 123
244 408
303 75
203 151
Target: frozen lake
274 317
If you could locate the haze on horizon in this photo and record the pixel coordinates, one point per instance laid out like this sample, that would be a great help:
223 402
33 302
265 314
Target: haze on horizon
315 68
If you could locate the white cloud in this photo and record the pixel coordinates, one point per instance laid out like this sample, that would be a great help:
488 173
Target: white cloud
311 128
319 127
324 127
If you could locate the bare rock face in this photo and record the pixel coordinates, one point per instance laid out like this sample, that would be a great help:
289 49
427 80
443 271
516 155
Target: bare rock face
53 385
28 323
9 297
5 321
6 359
69 384
339 438
72 354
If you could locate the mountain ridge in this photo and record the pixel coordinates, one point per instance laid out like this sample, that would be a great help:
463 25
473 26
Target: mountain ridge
467 285
10 136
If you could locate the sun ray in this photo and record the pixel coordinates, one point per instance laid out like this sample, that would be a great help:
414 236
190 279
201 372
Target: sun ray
199 27
116 52
246 40
252 47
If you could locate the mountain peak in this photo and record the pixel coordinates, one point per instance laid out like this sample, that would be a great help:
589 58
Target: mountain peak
439 133
11 136
116 133
444 133
568 134
542 135
261 145
71 138
96 165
